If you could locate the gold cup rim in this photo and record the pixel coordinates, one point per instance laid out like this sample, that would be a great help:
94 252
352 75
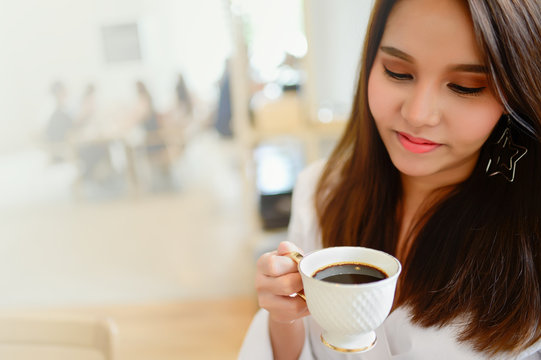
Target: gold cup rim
344 350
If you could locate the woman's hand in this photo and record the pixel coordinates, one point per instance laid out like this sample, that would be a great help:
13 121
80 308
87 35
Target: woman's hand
277 278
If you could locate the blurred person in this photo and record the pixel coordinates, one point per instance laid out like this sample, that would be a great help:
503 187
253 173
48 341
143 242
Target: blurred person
222 121
93 151
145 112
60 124
142 120
148 135
86 115
179 117
146 119
183 97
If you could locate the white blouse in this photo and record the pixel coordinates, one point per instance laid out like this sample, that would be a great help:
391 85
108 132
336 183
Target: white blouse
397 339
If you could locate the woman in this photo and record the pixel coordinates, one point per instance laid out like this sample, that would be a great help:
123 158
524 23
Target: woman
439 166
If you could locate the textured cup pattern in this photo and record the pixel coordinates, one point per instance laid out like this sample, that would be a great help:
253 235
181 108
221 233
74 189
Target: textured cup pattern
348 310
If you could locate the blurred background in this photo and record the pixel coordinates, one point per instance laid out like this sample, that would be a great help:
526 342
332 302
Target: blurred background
148 150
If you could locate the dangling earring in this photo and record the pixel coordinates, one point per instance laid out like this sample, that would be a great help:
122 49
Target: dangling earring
505 155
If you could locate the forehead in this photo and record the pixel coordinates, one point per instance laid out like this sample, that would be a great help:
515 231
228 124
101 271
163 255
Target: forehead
432 29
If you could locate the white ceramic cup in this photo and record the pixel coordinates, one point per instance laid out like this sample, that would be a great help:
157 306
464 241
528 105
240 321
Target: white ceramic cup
348 313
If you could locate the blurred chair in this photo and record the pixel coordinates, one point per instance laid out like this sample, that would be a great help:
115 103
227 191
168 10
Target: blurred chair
154 160
53 337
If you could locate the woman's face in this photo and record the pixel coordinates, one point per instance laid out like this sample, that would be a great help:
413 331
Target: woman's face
428 91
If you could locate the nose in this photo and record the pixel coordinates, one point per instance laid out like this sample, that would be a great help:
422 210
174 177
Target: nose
420 106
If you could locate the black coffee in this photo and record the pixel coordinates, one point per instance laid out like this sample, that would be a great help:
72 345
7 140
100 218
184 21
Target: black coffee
350 273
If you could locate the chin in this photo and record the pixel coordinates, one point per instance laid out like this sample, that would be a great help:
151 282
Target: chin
414 169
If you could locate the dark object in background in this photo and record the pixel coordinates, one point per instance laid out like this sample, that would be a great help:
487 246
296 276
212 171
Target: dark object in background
223 115
278 162
275 210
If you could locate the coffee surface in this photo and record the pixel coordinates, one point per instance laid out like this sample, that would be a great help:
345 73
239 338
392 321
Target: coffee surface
350 273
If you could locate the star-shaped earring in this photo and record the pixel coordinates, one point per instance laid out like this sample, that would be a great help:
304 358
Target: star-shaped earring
505 157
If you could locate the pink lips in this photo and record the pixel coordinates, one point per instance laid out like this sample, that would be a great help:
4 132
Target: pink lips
416 145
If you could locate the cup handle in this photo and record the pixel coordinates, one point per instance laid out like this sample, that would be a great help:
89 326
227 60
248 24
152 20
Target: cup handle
297 257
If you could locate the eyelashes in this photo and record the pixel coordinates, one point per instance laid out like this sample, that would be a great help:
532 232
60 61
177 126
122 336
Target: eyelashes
461 90
465 90
397 76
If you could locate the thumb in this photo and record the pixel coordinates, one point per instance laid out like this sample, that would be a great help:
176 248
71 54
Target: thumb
285 247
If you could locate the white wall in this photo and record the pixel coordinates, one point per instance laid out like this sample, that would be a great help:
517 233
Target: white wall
335 32
60 39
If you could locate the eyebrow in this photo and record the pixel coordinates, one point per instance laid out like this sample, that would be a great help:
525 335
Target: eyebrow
397 53
471 68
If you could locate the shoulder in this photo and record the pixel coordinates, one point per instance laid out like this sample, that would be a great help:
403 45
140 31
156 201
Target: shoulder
303 225
403 336
309 177
305 186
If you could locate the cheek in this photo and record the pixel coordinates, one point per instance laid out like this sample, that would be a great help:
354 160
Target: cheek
384 98
378 96
474 127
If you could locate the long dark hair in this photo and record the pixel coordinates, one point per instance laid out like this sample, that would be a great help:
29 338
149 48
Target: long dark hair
475 254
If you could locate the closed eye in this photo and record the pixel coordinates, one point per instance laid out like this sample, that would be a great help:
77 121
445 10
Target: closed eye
397 76
465 90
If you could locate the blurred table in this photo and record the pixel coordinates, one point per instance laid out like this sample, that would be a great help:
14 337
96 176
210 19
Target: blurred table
195 329
136 154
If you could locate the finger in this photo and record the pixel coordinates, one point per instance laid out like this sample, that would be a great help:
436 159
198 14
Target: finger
283 285
285 247
271 264
284 308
